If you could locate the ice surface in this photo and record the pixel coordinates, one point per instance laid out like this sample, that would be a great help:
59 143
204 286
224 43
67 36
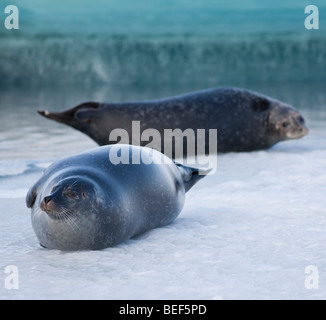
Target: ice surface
247 232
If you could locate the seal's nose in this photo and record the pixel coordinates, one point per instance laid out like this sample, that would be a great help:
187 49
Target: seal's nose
46 203
302 126
47 199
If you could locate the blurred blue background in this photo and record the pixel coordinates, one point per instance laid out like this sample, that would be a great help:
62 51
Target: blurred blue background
66 52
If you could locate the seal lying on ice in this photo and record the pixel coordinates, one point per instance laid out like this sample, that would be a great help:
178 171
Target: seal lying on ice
245 120
92 201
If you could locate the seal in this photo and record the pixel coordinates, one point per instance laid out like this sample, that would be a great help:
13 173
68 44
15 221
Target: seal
245 120
92 201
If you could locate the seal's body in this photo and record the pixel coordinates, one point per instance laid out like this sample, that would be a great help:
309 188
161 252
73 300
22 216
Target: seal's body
88 202
245 120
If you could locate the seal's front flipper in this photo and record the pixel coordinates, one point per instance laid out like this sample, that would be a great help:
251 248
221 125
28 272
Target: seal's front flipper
191 176
31 196
73 117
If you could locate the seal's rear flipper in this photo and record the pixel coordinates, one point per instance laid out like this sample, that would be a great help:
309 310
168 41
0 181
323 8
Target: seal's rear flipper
191 176
73 117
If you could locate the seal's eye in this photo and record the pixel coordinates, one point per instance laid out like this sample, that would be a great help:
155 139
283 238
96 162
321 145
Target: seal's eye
70 193
285 124
54 189
84 195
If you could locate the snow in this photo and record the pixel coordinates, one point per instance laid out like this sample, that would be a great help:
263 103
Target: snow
247 232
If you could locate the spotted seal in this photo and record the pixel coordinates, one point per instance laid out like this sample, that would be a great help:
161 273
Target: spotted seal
245 120
100 198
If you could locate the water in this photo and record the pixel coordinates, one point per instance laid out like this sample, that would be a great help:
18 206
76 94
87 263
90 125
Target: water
247 232
179 44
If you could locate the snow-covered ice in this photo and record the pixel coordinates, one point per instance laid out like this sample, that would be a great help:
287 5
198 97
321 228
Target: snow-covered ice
247 232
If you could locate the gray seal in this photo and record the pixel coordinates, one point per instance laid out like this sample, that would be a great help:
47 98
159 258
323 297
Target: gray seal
245 120
88 201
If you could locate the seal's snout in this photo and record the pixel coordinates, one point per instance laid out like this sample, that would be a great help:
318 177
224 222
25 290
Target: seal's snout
304 130
47 199
301 127
297 131
47 204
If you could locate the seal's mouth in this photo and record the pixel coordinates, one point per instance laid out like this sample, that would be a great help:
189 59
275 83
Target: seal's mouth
49 206
297 133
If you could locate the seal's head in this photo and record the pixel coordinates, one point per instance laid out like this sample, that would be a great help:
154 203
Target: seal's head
67 215
285 122
68 198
